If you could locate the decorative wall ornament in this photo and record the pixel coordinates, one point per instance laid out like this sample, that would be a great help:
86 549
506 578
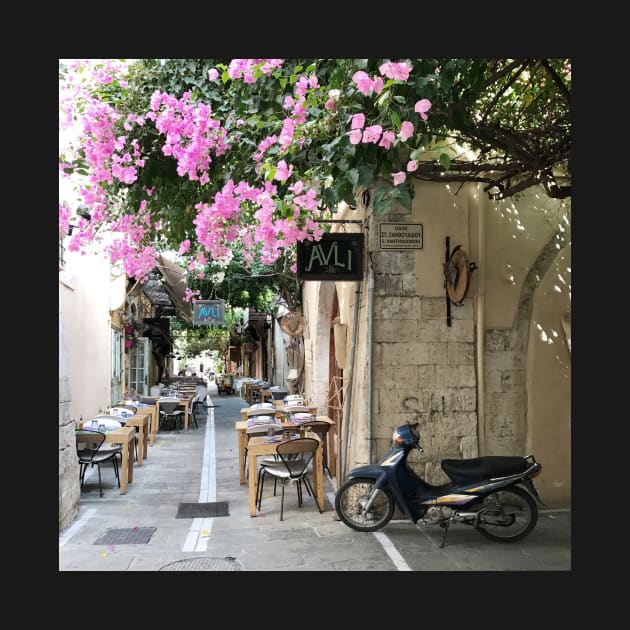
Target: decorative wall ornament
292 324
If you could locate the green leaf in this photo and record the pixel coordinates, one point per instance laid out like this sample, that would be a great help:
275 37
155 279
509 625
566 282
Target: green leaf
382 99
400 99
283 82
225 77
353 176
361 63
396 120
366 174
445 161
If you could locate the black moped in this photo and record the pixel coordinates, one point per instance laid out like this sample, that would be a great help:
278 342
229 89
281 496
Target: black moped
486 493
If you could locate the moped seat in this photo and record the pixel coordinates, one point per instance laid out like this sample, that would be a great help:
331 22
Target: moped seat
468 470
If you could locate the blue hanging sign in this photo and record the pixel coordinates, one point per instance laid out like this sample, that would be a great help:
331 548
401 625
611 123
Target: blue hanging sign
209 312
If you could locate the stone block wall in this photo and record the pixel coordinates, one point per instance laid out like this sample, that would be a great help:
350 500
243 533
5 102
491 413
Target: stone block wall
69 489
423 370
506 392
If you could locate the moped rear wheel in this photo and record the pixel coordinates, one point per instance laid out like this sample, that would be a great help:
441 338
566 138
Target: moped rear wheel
508 515
352 498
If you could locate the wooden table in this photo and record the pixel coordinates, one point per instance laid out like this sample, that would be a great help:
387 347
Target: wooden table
141 420
257 446
124 436
243 445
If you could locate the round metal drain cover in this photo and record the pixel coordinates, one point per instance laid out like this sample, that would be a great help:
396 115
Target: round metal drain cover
203 564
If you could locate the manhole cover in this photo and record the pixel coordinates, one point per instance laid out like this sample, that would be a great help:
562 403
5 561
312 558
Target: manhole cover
203 564
131 536
202 510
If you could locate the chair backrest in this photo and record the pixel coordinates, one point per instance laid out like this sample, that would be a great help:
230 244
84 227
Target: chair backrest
168 405
155 390
305 447
201 391
89 449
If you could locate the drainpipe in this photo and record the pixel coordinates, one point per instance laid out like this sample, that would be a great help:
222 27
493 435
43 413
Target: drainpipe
370 315
347 403
481 329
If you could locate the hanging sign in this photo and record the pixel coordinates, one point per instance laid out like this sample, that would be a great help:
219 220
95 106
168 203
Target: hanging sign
335 257
400 235
208 312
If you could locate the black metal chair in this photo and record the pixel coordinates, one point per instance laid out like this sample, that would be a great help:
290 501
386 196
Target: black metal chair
92 455
170 410
295 457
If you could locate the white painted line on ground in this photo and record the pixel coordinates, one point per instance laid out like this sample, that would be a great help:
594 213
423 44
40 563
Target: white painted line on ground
391 551
201 528
76 526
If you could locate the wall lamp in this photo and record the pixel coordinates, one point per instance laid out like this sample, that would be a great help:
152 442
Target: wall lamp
82 211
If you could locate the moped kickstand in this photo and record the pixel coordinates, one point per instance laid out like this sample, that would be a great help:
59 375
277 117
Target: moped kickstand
444 525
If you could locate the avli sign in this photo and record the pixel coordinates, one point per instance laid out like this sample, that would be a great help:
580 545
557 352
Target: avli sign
335 257
208 312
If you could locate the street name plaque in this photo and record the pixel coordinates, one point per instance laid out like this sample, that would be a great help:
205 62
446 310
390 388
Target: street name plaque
400 235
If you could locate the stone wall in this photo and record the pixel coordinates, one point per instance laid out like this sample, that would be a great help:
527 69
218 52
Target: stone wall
69 489
423 370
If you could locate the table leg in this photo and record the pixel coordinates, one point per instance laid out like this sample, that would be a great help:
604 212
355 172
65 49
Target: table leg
332 459
319 476
145 440
242 445
253 479
141 452
130 450
186 416
124 470
154 424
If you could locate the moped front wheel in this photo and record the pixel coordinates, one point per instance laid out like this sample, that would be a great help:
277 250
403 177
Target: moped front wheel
508 515
351 502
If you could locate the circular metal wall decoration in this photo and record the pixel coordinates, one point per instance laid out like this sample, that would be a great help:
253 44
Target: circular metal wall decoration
292 324
457 271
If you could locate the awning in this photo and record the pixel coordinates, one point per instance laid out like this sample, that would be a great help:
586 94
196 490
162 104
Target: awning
170 290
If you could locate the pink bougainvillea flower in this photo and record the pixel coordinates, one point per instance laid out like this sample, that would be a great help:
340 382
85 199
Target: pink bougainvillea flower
397 71
363 82
372 134
184 246
288 102
406 130
358 120
377 84
423 106
213 74
387 139
283 172
293 268
330 104
412 166
355 136
399 177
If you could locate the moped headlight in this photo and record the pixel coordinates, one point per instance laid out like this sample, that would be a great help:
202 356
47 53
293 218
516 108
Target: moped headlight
396 437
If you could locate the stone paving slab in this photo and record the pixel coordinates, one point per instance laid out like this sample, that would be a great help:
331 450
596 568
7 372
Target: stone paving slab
304 541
